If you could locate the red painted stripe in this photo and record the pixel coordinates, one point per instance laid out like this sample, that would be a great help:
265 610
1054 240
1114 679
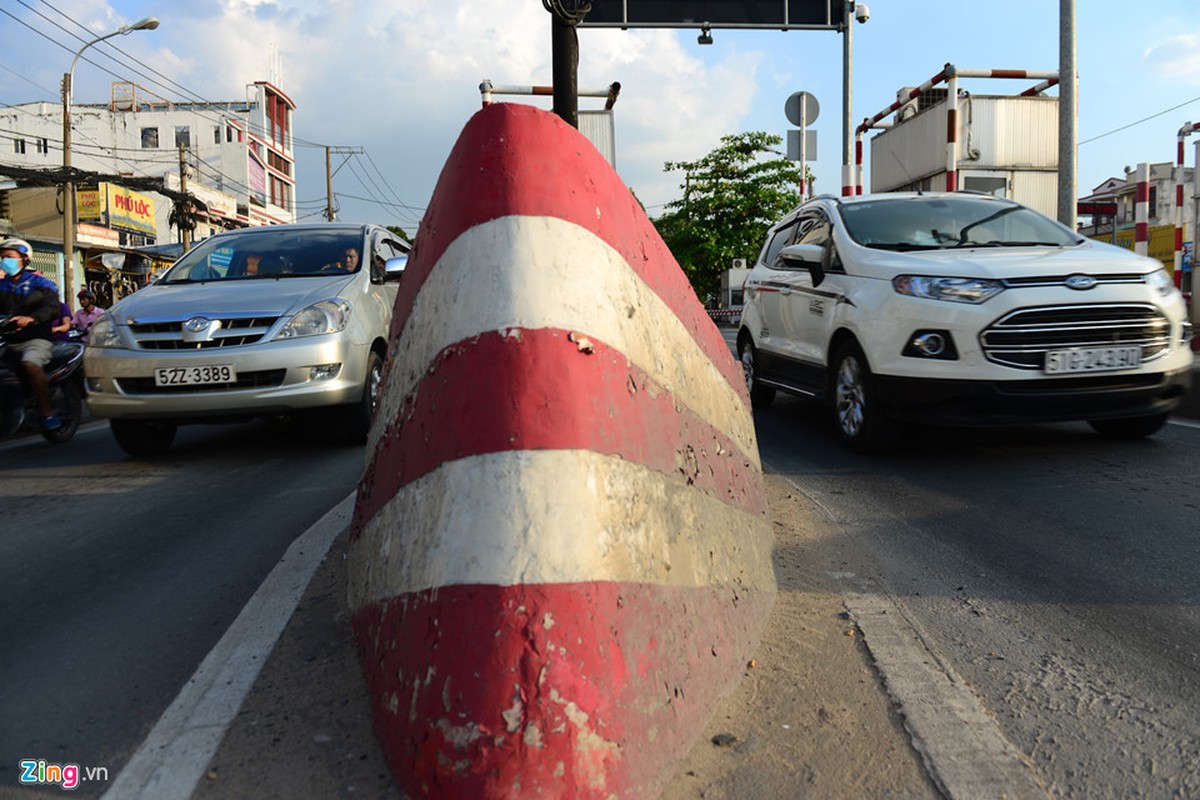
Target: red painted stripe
1009 73
1178 239
1179 194
1179 153
513 159
1142 192
951 181
590 690
951 125
542 392
1141 232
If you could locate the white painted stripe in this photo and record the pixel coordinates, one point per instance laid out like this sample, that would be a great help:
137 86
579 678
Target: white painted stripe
543 272
555 516
173 757
961 744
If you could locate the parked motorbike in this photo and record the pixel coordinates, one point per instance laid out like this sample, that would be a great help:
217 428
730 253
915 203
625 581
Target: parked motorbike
18 408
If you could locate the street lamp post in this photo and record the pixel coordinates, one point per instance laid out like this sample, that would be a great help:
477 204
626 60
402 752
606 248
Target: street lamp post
148 24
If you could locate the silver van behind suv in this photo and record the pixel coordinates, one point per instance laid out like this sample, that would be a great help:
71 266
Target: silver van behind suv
253 322
960 308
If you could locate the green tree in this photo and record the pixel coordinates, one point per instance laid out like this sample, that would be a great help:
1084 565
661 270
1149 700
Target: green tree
731 197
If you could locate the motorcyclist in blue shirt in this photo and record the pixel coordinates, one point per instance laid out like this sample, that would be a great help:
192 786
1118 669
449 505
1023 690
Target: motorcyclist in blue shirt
31 302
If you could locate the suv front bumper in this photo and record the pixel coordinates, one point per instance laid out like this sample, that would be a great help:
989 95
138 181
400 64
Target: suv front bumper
979 402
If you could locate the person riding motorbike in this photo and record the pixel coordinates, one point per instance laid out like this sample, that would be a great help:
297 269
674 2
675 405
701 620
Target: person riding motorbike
31 302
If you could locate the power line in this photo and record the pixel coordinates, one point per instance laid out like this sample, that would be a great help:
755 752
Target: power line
1140 121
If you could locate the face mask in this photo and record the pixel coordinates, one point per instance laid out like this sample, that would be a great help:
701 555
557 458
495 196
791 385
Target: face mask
11 265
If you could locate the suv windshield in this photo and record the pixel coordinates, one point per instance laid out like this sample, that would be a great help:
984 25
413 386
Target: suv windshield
266 253
944 221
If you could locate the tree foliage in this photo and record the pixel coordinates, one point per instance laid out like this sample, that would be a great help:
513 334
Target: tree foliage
731 197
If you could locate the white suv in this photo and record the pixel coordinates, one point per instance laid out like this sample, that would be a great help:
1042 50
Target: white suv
961 309
263 321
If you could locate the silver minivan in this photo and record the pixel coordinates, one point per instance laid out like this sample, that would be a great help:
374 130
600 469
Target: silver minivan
253 322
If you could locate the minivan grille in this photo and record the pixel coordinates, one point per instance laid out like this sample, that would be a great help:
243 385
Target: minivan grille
169 335
264 379
1022 338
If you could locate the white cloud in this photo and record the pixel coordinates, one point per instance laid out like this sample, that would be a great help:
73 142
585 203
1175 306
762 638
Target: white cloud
1177 58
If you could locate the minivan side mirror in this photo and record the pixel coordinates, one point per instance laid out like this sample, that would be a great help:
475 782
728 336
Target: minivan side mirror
805 256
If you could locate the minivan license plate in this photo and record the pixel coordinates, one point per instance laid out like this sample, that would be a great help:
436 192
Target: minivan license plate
195 376
1092 359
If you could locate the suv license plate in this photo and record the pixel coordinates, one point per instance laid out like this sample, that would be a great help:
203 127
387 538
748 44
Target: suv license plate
195 376
1092 359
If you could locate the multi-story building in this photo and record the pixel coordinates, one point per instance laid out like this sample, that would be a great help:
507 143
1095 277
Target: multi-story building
161 172
1108 214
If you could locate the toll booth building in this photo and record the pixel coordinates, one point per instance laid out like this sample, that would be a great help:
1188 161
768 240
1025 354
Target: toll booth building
1001 145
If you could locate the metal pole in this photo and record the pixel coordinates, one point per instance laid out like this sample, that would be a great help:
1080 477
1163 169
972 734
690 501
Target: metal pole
1066 113
564 53
147 24
803 141
68 235
847 126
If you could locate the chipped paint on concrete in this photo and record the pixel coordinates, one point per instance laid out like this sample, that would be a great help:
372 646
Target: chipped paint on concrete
555 516
544 286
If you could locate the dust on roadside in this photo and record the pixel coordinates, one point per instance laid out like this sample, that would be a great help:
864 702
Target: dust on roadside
810 718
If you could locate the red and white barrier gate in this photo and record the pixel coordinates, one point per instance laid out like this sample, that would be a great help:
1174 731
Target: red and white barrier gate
561 551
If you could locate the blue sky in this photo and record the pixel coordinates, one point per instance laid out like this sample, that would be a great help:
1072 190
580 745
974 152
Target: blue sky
399 78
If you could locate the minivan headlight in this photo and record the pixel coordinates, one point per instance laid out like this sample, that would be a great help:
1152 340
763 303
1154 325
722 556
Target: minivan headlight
327 316
104 333
954 290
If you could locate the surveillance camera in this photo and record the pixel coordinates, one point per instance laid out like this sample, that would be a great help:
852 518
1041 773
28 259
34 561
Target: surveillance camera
705 36
861 12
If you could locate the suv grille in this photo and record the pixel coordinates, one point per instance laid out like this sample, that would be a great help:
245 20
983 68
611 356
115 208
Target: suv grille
1022 338
234 331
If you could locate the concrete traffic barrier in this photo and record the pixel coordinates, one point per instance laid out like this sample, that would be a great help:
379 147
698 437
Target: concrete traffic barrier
561 551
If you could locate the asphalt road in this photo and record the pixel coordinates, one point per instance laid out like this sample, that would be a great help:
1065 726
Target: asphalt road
119 575
1050 569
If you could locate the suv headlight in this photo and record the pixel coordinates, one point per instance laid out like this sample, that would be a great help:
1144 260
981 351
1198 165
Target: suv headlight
1160 281
954 290
105 333
327 316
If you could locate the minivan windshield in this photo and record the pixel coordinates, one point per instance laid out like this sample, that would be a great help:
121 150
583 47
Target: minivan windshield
936 222
272 253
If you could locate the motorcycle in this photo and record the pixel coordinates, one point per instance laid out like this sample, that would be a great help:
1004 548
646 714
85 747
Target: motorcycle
64 375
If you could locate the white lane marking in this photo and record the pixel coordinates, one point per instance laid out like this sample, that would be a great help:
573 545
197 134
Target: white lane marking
543 272
172 759
555 516
962 746
1184 423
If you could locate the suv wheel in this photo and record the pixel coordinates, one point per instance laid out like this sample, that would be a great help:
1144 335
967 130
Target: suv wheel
1129 427
142 437
760 396
861 423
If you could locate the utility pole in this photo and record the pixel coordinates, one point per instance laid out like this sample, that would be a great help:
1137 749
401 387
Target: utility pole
328 188
185 217
330 172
